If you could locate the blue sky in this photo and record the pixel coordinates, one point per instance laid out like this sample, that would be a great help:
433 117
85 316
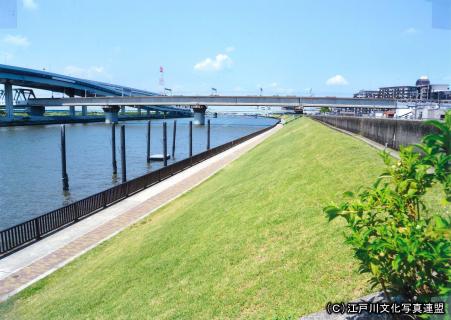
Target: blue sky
285 47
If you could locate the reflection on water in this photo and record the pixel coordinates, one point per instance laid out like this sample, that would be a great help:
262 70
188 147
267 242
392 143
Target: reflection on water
30 164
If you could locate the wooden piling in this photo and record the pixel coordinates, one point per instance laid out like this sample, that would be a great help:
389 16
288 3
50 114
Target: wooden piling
208 134
148 141
63 159
123 159
190 139
113 148
174 131
165 145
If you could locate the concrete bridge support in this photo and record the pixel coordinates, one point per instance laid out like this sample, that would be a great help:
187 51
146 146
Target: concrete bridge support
199 114
36 111
139 111
84 111
148 112
9 106
122 110
299 109
111 114
72 111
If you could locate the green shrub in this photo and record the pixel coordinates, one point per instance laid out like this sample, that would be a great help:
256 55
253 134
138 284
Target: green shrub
324 109
404 247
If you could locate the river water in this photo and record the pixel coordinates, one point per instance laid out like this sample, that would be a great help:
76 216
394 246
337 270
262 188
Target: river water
30 162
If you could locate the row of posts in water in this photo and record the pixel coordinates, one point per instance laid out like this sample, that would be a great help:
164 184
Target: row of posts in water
65 176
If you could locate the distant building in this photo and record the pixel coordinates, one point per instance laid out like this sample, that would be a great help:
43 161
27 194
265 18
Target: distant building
422 90
437 92
441 95
399 92
367 94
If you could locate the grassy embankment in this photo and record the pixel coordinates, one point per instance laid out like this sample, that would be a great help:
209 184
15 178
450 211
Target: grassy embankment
251 242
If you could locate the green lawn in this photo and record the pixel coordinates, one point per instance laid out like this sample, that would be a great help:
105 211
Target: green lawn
251 242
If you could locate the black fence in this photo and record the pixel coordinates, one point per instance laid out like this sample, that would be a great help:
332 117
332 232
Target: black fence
21 235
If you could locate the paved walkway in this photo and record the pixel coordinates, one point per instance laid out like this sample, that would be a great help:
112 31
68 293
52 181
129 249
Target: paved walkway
34 262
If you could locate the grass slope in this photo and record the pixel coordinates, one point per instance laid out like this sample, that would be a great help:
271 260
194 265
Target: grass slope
251 242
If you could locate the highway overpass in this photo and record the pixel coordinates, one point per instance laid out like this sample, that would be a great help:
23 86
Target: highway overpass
199 104
82 92
70 86
279 101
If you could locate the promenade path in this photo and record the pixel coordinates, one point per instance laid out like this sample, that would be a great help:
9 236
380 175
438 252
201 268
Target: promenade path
38 260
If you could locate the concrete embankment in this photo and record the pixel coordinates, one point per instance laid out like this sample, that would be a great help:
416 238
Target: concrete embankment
389 132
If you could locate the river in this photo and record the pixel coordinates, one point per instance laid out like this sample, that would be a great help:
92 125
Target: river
30 161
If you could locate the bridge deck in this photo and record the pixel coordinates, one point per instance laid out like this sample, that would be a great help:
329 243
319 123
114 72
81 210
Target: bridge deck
282 101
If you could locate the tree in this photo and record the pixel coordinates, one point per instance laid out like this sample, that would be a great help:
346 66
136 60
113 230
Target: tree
324 109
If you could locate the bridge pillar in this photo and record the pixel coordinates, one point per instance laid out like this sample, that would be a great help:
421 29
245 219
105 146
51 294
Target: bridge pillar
111 114
84 111
199 114
122 110
72 111
148 112
36 111
299 109
9 106
139 111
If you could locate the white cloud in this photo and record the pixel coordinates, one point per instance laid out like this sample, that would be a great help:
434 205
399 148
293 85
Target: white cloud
337 80
29 4
19 41
230 49
220 62
410 30
94 72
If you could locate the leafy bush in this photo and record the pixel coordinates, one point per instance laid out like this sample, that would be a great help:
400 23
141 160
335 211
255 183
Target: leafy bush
405 248
324 109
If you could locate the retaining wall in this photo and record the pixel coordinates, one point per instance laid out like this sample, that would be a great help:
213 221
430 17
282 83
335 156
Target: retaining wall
390 132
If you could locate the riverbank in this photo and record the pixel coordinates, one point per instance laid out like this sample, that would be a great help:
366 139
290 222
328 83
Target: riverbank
30 264
250 242
35 150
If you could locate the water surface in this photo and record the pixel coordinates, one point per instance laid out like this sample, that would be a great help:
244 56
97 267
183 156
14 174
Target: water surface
30 161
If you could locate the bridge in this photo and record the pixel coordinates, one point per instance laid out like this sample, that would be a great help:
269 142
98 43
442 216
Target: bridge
112 98
70 86
199 103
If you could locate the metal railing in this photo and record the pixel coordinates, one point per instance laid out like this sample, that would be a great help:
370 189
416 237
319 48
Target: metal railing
23 234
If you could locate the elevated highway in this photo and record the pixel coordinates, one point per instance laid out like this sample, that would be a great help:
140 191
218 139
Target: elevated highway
199 103
280 101
84 93
70 86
